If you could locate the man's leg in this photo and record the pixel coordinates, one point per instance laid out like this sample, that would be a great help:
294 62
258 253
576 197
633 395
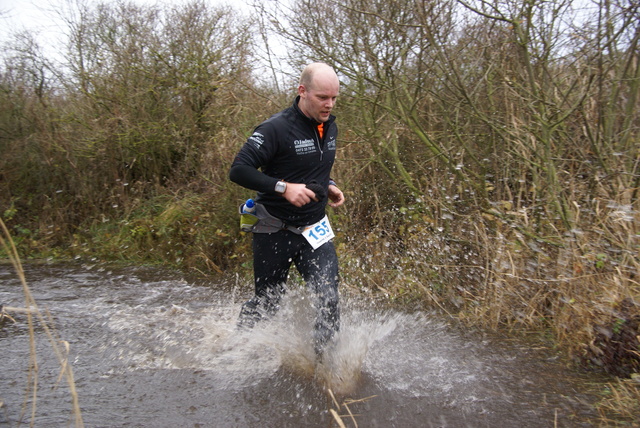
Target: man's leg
272 254
319 268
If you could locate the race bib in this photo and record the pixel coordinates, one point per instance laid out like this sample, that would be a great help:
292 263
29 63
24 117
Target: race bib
319 233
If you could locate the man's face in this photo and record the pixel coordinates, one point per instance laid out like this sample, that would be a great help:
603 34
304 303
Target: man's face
318 100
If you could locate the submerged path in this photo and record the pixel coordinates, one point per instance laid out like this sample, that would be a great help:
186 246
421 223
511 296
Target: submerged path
149 348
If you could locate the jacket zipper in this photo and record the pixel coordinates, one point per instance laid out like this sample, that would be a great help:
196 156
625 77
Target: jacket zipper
319 145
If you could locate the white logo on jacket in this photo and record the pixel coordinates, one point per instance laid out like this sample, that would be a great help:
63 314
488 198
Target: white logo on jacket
257 139
304 147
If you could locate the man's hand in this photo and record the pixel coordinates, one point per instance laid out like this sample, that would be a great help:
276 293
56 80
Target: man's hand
336 197
298 194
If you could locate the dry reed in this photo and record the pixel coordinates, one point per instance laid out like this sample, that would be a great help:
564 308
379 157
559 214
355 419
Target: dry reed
341 419
59 347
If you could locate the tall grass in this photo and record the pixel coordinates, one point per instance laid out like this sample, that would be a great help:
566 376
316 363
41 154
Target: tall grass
622 399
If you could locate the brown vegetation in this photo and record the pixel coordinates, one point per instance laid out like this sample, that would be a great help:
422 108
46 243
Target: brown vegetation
489 151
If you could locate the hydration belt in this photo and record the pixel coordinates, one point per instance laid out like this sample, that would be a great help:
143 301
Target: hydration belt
260 221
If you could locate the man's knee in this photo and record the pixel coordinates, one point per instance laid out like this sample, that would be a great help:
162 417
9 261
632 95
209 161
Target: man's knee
259 307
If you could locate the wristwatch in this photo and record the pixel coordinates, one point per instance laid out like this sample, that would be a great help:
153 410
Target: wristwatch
281 186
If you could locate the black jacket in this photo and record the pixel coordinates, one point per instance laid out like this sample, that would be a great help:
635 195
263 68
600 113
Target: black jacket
287 147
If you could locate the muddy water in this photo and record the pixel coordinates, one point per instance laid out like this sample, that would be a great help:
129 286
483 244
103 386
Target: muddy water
151 349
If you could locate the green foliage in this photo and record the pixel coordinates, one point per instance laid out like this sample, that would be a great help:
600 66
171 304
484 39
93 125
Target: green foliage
189 230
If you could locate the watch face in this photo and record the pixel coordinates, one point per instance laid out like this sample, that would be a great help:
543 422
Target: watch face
281 186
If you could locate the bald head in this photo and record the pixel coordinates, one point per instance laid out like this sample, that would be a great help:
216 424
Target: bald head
317 73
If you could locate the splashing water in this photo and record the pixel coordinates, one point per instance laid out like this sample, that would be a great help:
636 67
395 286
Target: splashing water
208 339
